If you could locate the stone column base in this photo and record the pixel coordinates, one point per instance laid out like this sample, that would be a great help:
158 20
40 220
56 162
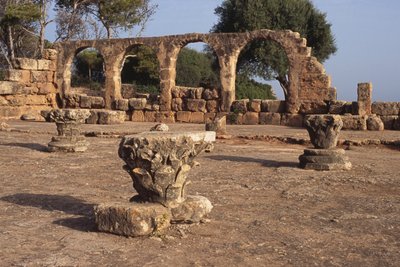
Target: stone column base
324 160
144 219
68 144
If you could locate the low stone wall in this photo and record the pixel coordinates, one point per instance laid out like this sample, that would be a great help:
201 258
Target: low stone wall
29 88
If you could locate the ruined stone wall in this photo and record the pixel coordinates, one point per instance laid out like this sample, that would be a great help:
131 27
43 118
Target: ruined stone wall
29 88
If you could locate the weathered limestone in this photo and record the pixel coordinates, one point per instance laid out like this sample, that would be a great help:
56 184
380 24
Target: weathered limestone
160 127
324 132
364 99
158 163
218 125
374 123
68 123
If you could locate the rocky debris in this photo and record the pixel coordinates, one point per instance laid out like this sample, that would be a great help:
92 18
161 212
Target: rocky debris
160 127
324 160
69 138
374 123
192 210
28 117
4 126
323 130
218 125
132 219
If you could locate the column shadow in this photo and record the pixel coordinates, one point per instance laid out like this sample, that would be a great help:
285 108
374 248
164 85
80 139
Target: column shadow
67 204
32 146
263 162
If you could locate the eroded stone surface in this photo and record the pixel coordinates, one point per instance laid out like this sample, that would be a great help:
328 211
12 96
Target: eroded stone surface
132 219
192 210
218 125
324 160
323 130
159 162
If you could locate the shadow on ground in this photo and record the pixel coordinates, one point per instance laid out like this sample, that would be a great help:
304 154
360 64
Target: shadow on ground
67 204
263 162
32 146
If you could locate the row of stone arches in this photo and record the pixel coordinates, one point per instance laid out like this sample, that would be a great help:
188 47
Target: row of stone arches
307 78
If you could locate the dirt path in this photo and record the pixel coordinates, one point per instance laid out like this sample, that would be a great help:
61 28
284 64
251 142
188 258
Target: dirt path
267 212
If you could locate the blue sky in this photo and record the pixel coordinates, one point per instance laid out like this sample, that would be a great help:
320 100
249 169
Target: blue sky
367 33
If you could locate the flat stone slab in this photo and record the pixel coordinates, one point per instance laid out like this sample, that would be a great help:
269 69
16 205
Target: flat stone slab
196 136
132 219
324 160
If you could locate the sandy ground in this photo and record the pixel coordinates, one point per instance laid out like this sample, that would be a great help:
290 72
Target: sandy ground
267 212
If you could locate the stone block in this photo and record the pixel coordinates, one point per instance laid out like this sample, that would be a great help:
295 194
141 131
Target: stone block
240 106
16 100
192 210
46 88
354 122
273 106
26 64
150 116
93 118
183 116
396 124
218 125
132 219
43 64
85 102
3 101
209 117
10 112
21 76
364 98
319 80
37 100
388 121
111 117
374 123
386 108
313 107
180 92
251 118
293 120
197 117
39 76
195 93
10 88
165 116
337 107
324 160
234 118
122 104
97 102
270 118
177 104
254 105
138 116
210 94
212 105
137 103
50 54
196 105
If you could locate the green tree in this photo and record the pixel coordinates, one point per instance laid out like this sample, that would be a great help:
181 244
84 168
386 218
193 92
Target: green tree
17 19
141 67
251 89
265 59
89 70
196 68
113 15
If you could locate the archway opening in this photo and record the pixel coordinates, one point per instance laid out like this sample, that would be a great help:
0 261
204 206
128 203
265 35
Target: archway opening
262 71
140 72
197 66
87 72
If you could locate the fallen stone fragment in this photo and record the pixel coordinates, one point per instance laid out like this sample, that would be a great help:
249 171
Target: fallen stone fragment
132 219
160 127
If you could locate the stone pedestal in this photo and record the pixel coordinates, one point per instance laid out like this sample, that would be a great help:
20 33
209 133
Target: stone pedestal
324 160
324 133
158 163
69 138
218 125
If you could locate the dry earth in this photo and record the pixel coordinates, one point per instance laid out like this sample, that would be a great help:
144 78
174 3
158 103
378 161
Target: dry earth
267 212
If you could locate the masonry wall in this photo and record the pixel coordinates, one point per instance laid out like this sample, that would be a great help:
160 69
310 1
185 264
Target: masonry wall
29 88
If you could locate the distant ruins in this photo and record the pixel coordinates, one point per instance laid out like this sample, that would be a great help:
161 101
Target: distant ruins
46 83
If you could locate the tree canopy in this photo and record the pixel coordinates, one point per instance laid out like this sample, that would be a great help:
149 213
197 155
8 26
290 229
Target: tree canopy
266 59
